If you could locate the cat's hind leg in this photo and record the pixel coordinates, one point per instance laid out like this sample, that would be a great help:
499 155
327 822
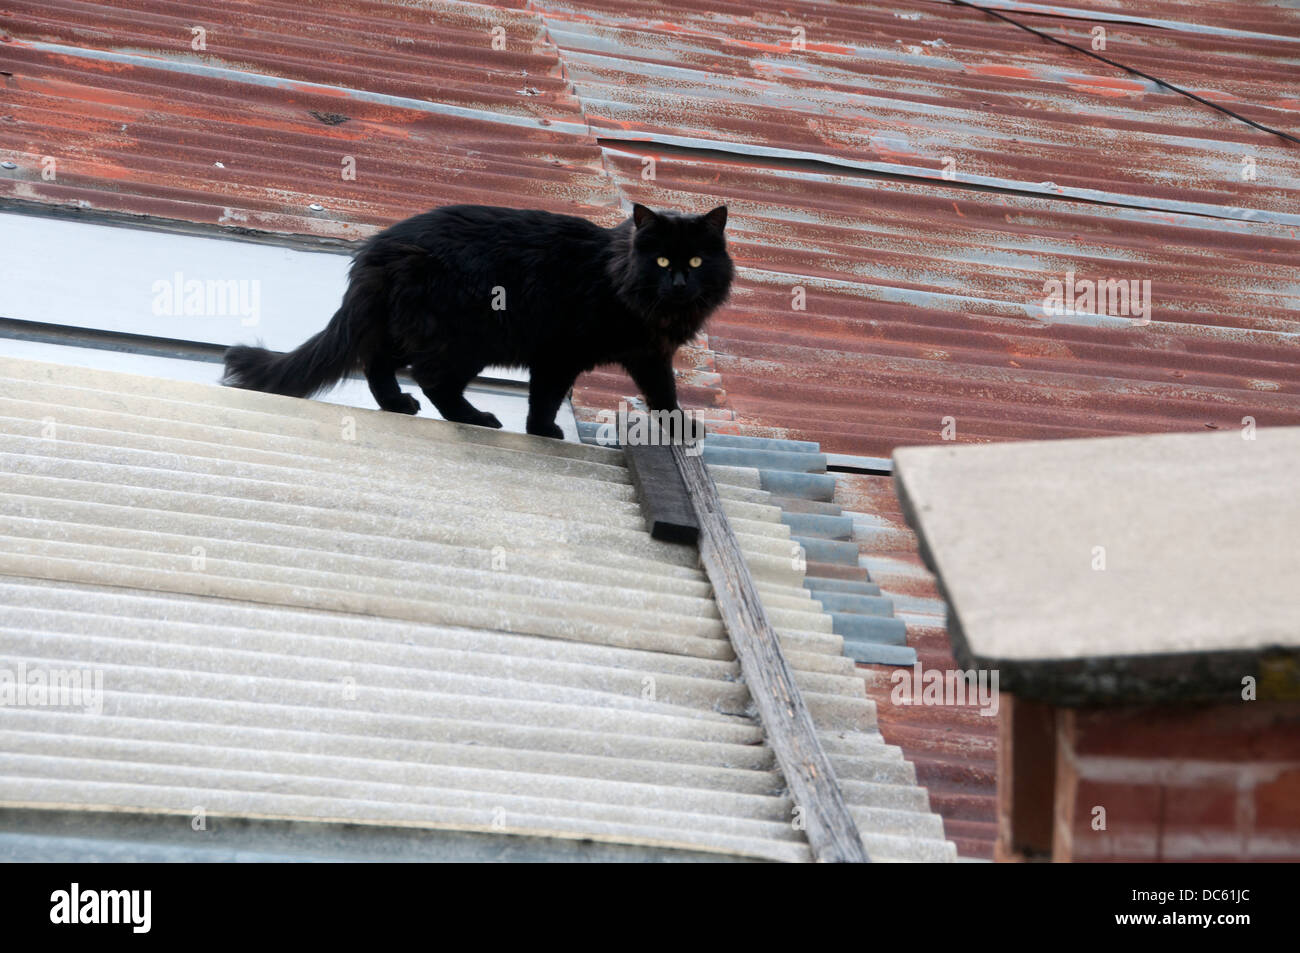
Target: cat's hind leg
446 388
547 388
381 375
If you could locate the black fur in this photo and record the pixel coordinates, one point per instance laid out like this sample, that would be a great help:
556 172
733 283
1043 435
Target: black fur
421 294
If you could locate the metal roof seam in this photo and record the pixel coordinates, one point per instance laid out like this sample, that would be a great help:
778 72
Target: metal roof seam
1106 15
1128 69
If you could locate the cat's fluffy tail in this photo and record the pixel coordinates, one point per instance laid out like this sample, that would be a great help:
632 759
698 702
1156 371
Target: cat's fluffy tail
320 362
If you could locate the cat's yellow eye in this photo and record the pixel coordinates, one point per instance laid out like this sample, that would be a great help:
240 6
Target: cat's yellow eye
663 262
697 261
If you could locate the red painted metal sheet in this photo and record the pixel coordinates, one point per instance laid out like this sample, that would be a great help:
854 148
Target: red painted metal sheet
439 51
1276 18
263 124
924 302
904 86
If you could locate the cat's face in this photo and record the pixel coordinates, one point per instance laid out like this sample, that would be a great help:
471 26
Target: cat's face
680 262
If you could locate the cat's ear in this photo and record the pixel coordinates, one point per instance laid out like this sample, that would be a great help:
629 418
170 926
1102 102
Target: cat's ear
717 218
642 216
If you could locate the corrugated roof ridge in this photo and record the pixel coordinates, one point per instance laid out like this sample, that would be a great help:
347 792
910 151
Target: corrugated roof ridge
953 748
925 828
867 625
744 455
954 796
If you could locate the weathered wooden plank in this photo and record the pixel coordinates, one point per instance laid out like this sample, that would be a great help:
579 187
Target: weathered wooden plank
662 493
829 826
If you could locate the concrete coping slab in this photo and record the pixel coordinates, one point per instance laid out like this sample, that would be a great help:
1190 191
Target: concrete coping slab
1117 569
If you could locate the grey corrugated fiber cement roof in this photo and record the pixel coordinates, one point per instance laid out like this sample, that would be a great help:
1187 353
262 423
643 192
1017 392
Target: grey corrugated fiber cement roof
313 615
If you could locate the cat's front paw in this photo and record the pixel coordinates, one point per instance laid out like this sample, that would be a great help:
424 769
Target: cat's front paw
545 430
402 404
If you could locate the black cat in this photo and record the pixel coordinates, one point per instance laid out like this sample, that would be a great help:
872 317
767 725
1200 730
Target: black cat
453 290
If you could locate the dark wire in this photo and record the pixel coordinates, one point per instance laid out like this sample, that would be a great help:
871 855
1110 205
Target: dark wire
1127 69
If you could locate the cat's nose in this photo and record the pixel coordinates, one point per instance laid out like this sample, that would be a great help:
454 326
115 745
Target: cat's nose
679 280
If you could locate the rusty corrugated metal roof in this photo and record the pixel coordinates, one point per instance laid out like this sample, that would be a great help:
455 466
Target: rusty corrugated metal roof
924 302
900 87
922 293
954 748
923 298
251 131
1247 18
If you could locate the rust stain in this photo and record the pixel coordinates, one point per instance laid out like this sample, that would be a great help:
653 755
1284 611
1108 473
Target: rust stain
1109 87
1000 69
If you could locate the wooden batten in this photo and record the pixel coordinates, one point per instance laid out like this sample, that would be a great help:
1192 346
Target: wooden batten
787 723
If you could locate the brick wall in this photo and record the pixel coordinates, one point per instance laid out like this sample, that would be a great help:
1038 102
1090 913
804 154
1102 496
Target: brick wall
1178 783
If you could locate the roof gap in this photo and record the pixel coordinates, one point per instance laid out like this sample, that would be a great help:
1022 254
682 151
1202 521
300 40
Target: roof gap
786 160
